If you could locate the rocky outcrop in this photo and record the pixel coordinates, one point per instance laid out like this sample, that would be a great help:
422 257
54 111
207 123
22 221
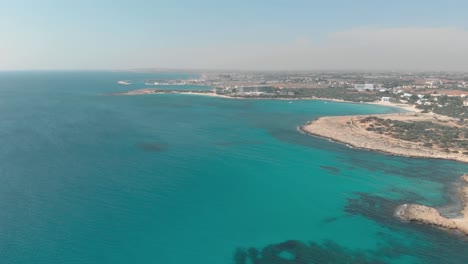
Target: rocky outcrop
429 215
426 215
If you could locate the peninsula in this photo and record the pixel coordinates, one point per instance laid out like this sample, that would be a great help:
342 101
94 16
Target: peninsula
410 134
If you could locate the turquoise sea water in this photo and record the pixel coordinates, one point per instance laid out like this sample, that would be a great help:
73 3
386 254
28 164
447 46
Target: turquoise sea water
89 178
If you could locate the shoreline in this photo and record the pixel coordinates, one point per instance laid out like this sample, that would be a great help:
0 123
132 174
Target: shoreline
154 91
211 93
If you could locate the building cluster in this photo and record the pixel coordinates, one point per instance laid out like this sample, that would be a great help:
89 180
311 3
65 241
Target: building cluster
422 88
247 90
422 98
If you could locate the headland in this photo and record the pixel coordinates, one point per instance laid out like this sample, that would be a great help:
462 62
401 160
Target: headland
410 134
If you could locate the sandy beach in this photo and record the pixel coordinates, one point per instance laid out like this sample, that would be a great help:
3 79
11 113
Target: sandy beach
407 107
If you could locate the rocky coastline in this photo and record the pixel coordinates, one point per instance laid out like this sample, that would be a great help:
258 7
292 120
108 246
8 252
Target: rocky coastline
349 130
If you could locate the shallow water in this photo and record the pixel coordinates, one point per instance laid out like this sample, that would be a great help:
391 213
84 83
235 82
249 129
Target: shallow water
87 178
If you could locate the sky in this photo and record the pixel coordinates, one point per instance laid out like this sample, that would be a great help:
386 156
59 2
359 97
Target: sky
242 34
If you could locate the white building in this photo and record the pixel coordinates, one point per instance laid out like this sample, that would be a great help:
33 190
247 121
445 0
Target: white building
387 99
364 87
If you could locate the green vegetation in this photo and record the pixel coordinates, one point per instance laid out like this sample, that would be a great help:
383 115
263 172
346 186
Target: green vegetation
443 104
345 94
448 106
427 133
341 94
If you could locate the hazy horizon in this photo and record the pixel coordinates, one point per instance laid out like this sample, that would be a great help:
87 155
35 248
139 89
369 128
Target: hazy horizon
271 36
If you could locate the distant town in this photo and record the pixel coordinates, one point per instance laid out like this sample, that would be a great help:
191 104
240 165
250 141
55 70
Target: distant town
444 93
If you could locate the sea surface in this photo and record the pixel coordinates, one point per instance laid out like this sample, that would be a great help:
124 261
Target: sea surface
174 179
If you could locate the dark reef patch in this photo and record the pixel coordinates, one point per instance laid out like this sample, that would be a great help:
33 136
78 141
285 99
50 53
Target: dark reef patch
408 195
330 220
429 246
410 168
296 252
332 170
152 147
434 246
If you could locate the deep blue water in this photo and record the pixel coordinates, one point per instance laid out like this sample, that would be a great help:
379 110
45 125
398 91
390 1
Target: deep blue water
90 178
